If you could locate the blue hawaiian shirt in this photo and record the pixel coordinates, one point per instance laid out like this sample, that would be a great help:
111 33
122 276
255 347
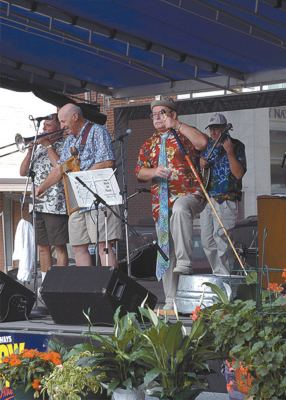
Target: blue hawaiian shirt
98 147
222 184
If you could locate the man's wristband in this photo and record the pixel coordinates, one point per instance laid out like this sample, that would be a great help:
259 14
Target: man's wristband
49 146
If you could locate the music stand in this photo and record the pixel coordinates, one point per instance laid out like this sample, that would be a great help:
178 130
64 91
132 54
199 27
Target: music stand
94 189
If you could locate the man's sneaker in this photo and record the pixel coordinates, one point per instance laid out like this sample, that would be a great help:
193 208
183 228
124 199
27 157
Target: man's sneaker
40 300
180 269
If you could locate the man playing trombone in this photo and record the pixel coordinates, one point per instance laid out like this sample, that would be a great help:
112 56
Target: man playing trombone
51 222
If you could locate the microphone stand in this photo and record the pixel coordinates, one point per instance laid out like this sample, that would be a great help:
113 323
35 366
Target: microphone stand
102 201
125 201
283 160
96 204
36 312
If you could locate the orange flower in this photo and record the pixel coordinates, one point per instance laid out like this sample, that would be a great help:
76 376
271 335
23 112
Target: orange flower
30 353
195 313
14 362
274 287
243 379
36 384
229 386
32 364
52 356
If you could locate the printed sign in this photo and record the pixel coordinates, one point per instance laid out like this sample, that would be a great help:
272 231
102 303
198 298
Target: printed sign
11 343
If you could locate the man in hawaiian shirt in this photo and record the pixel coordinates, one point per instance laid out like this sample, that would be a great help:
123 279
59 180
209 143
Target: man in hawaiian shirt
96 153
184 198
227 166
51 222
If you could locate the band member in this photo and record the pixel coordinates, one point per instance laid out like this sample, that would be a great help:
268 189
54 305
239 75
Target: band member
51 220
93 145
176 196
225 166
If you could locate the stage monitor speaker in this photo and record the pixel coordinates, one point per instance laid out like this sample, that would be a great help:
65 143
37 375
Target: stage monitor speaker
68 292
16 301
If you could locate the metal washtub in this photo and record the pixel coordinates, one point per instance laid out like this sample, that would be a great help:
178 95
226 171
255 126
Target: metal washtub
192 292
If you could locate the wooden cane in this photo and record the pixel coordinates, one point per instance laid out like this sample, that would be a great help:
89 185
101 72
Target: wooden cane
197 176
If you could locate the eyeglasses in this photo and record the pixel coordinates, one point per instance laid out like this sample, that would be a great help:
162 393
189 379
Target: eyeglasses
160 113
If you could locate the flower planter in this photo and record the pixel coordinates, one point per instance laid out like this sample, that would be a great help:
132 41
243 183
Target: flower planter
20 394
127 394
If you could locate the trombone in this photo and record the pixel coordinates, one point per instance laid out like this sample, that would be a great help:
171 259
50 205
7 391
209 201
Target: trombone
22 143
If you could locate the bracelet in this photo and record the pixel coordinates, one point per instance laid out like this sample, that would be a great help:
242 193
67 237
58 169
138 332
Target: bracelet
179 127
49 146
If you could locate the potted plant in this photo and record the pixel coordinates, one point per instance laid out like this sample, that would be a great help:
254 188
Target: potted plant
26 370
252 337
146 352
70 381
177 362
114 359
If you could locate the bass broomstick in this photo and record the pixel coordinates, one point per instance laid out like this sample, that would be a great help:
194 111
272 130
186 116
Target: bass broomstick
194 171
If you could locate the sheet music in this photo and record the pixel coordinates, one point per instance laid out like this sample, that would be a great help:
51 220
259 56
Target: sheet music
101 181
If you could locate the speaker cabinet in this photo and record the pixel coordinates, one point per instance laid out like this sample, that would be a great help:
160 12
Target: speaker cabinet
69 292
16 301
272 245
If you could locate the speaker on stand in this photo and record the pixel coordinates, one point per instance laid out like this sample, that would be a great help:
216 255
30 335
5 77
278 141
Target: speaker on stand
69 292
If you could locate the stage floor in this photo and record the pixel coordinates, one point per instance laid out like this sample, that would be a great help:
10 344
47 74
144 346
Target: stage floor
39 329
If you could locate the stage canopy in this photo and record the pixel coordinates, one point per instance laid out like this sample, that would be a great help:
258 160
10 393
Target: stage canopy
132 48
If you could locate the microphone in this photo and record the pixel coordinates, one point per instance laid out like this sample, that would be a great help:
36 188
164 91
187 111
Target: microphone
121 137
283 160
39 119
158 248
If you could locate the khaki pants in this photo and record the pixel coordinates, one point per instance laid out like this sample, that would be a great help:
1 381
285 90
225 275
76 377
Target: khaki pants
184 211
214 241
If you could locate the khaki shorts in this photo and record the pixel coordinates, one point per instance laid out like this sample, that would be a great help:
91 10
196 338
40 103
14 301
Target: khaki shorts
82 227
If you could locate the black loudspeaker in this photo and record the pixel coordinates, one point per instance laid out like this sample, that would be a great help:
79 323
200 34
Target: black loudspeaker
143 261
68 292
16 301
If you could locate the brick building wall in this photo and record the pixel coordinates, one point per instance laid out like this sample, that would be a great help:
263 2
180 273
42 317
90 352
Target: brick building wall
139 207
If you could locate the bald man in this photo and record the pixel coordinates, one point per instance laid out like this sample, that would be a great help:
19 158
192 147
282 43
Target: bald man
93 143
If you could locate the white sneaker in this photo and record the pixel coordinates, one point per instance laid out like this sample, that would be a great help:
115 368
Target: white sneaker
39 297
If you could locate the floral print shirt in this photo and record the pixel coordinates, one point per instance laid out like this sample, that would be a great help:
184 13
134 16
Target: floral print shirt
98 147
181 180
54 197
222 184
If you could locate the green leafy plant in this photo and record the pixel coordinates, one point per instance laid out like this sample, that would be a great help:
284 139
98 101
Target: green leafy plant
114 359
176 361
147 352
70 381
254 337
